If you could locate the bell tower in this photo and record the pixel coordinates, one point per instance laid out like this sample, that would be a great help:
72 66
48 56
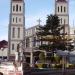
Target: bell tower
62 11
16 26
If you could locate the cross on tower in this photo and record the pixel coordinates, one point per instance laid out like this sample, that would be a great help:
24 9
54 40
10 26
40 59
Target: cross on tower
39 21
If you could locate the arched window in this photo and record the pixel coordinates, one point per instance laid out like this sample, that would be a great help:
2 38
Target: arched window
13 8
12 46
20 8
64 9
13 19
58 8
13 32
16 19
18 47
17 7
18 32
34 41
61 8
27 42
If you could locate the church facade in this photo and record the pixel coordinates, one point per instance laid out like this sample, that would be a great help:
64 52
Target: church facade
17 31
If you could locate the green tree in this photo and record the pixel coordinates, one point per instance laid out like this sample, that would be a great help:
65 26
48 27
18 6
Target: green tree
51 33
52 36
42 57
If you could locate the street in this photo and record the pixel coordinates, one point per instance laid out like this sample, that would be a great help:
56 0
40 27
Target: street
10 69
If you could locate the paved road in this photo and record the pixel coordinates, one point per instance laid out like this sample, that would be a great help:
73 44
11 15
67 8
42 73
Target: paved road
9 69
53 72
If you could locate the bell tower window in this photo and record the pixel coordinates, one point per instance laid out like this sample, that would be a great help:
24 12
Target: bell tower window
58 8
17 7
13 8
16 19
61 8
13 19
18 32
12 46
13 32
64 9
20 8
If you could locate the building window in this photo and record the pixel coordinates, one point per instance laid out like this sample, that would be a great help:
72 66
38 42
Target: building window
19 19
20 8
13 19
61 8
27 42
18 32
13 8
64 9
18 47
17 7
58 9
12 46
34 41
13 32
16 19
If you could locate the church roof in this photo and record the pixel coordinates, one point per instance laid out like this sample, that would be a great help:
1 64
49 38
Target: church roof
61 0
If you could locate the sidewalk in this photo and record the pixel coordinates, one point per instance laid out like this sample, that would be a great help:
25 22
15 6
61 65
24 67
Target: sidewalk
10 69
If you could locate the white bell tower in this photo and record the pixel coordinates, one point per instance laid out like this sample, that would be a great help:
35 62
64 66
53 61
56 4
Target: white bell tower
62 11
16 26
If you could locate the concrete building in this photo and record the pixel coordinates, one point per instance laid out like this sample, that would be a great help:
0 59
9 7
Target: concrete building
17 31
3 54
31 44
72 35
62 11
16 25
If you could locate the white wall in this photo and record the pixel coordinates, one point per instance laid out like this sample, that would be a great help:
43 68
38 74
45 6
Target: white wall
4 52
19 4
16 33
59 4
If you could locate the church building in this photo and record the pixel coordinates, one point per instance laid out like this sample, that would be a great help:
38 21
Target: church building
16 26
17 31
62 11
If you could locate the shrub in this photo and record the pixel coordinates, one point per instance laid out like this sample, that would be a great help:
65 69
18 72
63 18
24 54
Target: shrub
71 65
44 65
58 66
36 66
39 65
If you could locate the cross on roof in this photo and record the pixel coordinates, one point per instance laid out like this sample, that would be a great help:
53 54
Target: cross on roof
39 21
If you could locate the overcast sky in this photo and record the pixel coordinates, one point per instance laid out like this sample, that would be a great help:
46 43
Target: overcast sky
34 9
